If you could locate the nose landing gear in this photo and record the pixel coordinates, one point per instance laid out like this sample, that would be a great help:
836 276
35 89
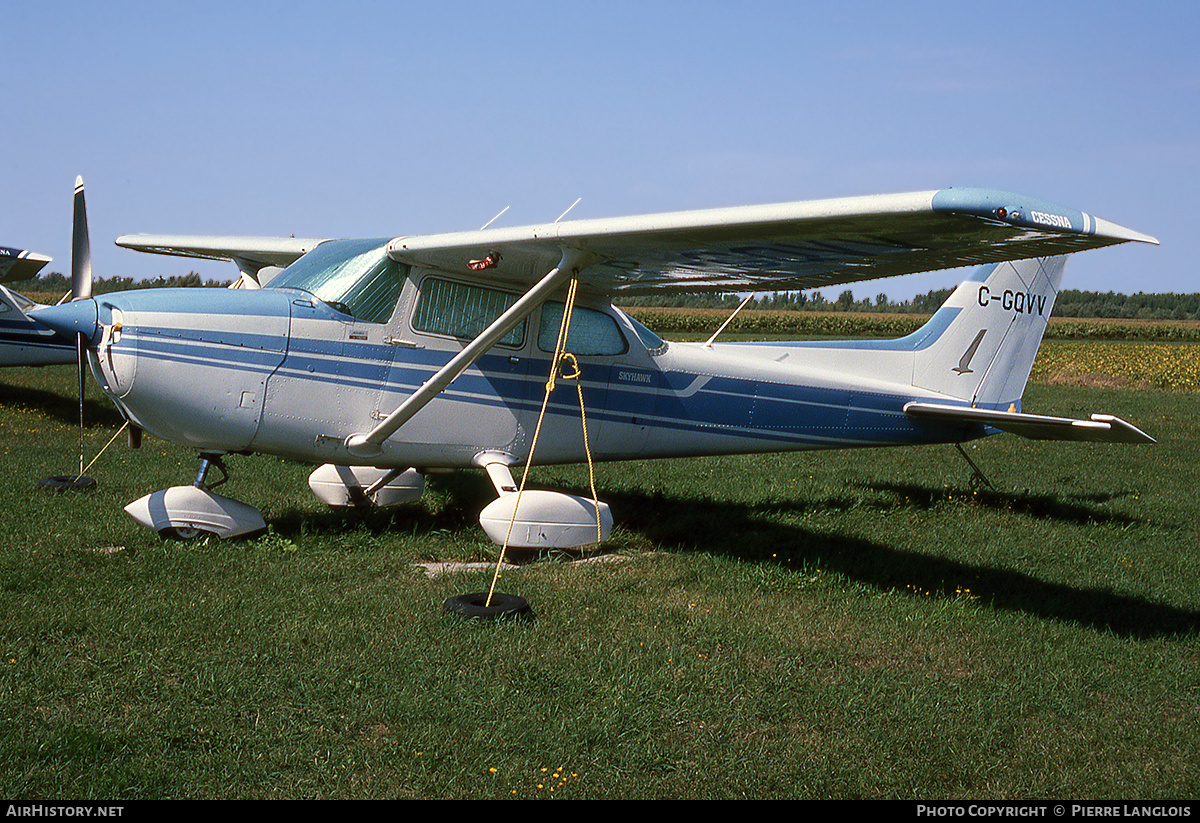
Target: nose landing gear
192 512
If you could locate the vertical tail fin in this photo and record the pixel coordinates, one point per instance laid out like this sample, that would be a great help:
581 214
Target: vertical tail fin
991 327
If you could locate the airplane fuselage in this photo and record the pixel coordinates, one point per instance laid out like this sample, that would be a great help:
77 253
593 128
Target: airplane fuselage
277 371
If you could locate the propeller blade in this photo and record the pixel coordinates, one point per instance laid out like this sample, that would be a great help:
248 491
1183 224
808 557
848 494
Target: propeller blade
81 250
81 289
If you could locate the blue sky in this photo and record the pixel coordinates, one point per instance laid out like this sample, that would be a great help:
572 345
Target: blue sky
373 119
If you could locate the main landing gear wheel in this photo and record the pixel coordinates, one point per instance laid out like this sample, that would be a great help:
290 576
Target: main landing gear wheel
60 483
476 606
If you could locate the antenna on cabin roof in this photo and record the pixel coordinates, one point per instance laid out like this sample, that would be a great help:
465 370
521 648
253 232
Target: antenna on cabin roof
494 219
573 205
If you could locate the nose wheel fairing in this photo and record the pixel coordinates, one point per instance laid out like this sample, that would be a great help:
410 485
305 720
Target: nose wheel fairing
187 512
190 512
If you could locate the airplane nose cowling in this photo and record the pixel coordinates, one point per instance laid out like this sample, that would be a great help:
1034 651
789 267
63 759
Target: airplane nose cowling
70 319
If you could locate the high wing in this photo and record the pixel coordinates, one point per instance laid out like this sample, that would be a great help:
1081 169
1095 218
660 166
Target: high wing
249 253
17 265
780 247
783 247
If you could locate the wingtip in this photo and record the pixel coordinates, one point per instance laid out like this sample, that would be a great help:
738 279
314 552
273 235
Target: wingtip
1107 228
1034 213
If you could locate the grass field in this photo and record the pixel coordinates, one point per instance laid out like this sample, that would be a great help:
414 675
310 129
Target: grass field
824 625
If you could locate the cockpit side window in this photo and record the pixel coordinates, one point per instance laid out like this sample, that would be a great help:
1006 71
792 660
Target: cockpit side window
459 310
374 295
356 277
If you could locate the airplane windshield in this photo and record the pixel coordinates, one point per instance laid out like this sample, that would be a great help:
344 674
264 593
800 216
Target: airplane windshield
355 277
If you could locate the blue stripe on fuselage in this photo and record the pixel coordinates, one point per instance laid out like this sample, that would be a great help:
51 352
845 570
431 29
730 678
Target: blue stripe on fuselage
767 411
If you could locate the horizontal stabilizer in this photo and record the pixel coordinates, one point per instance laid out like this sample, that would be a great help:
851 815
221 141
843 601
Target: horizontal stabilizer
1102 428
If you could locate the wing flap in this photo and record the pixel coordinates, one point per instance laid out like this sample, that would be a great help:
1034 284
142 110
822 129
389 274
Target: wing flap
1101 428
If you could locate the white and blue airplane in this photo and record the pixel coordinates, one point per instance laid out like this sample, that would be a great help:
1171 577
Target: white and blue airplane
24 341
380 360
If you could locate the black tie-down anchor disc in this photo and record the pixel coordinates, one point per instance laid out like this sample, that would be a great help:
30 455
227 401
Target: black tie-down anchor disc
476 605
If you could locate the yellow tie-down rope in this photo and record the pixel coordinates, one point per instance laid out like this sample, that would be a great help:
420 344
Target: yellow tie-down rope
84 469
561 356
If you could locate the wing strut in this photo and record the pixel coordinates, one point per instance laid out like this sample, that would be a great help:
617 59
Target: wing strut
370 444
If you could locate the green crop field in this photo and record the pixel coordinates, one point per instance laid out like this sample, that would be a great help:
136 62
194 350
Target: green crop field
861 624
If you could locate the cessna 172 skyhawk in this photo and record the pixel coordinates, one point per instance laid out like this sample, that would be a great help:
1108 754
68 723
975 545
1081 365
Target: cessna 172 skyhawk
381 359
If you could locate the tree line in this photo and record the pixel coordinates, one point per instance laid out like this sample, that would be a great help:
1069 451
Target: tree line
1070 303
56 282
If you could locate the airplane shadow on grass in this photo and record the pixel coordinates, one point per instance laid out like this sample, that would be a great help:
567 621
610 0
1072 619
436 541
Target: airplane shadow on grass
60 407
750 533
738 530
467 494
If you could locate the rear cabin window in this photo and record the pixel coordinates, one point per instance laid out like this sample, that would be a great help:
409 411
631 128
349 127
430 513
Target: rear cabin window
592 332
458 310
